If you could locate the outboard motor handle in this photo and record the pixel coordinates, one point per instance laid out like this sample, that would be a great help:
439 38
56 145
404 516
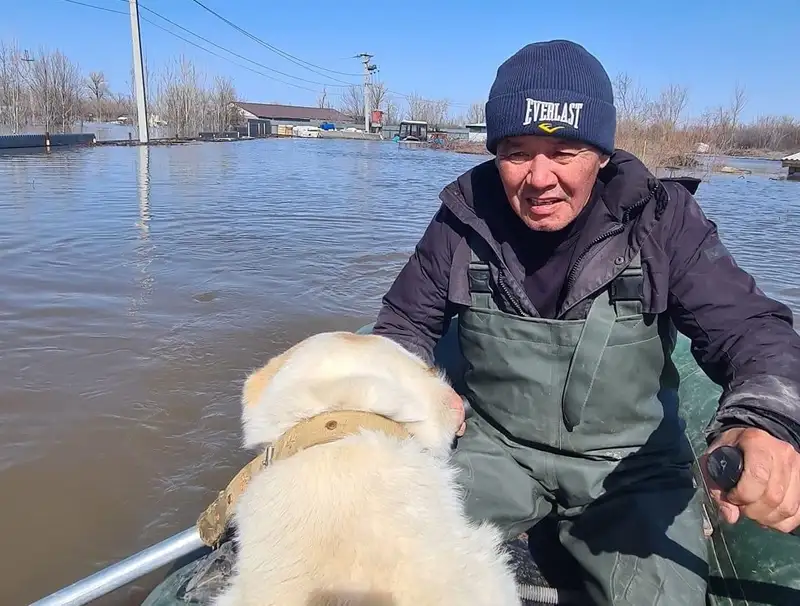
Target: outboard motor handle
725 467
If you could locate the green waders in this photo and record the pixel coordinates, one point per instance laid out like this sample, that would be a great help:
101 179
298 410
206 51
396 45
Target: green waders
576 420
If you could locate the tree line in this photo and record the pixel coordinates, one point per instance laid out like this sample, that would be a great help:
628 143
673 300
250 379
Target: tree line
48 90
654 127
658 129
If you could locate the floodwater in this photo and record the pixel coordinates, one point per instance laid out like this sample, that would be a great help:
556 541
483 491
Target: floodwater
141 285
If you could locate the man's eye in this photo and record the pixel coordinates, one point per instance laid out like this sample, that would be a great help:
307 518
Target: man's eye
517 156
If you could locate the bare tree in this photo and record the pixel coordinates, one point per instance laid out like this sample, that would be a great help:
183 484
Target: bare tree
15 110
322 100
476 113
432 111
392 112
118 104
42 90
437 112
352 103
98 88
67 90
780 133
651 129
670 105
417 107
377 95
181 99
224 114
630 99
725 120
738 101
189 107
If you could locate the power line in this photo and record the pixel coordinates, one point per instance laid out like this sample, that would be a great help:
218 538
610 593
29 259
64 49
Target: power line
160 16
110 10
275 49
406 97
100 8
154 24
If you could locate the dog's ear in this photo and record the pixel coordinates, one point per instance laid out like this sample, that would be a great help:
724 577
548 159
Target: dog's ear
257 382
256 431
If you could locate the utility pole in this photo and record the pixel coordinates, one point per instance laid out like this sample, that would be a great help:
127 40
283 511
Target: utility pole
368 69
138 72
26 58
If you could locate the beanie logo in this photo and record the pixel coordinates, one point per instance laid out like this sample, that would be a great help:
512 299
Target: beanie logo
549 128
567 113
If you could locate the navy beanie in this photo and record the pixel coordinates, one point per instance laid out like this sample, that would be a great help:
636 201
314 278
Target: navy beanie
552 88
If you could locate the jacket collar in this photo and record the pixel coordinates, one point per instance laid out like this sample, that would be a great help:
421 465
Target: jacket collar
626 182
634 201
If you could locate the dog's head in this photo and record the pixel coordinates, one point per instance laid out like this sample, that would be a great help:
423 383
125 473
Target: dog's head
346 371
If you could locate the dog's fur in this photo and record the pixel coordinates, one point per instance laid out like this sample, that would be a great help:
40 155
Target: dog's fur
368 520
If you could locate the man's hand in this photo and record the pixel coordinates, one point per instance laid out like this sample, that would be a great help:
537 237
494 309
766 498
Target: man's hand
457 404
769 489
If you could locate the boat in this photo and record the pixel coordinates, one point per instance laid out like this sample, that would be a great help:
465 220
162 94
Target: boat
354 134
749 565
306 132
412 133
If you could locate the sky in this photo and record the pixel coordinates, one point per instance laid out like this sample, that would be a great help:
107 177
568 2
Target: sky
436 49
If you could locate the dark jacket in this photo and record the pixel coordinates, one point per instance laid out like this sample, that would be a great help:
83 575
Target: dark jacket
742 339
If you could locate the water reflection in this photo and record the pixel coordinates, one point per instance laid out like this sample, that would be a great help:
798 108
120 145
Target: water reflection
145 247
143 189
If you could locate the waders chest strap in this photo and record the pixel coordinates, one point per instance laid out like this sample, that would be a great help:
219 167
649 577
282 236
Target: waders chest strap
480 288
626 291
586 359
623 298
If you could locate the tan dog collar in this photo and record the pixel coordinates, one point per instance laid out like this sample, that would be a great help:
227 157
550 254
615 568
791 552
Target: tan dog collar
329 427
321 429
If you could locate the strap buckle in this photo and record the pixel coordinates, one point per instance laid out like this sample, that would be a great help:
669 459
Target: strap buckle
627 288
479 278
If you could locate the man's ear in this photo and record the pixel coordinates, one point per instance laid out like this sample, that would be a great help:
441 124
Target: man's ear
604 160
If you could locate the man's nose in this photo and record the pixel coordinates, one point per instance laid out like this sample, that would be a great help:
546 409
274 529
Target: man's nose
540 174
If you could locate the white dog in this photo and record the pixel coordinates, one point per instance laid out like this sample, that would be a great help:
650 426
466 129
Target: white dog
358 508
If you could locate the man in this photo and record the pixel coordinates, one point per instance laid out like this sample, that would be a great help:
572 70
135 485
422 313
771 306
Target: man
569 267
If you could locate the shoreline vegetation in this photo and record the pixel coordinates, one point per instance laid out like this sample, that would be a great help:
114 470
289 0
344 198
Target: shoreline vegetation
48 90
658 131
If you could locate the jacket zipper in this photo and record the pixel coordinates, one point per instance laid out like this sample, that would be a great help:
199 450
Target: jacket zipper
501 283
573 273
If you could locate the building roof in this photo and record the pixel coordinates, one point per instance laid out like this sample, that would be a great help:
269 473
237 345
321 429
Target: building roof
292 112
792 158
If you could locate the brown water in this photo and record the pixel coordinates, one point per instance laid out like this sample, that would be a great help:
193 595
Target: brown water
141 285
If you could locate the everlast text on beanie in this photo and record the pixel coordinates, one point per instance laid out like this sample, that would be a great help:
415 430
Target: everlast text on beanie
554 88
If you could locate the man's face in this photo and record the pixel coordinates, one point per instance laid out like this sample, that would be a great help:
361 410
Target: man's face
547 180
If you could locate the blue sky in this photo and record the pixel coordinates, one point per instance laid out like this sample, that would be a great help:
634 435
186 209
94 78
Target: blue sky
443 48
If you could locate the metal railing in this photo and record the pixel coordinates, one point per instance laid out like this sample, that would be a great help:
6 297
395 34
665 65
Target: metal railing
120 574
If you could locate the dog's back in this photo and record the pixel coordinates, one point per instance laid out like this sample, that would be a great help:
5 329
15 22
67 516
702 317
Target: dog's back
366 520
